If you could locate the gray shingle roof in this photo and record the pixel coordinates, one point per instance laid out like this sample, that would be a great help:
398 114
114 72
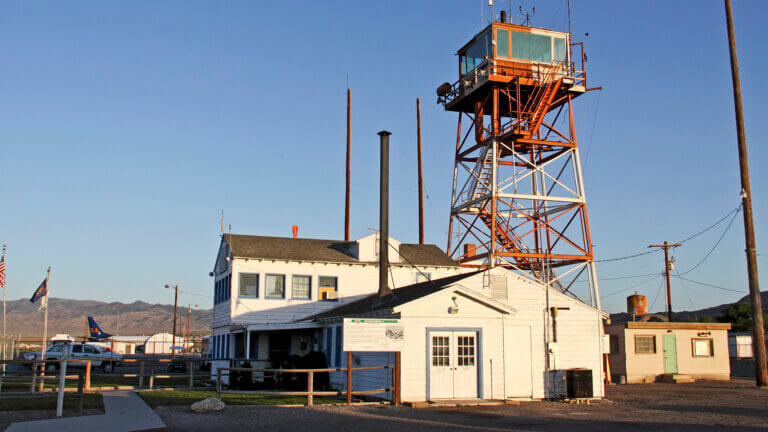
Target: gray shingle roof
303 249
397 297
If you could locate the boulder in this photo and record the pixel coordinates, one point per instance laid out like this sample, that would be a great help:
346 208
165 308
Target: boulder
207 406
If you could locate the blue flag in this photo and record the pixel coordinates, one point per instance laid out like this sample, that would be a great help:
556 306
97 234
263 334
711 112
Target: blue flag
40 292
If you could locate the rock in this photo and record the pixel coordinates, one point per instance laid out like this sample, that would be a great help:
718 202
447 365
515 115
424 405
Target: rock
207 406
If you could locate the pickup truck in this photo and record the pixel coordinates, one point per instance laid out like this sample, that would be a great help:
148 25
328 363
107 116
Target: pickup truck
79 351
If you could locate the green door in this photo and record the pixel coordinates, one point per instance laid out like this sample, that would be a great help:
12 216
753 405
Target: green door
670 354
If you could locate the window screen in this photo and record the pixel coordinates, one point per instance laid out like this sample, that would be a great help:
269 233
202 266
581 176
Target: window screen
645 344
702 347
532 47
301 287
559 53
249 285
275 286
502 43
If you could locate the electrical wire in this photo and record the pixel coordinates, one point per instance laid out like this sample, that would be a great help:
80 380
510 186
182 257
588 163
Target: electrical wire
736 210
708 285
633 286
717 243
628 256
661 284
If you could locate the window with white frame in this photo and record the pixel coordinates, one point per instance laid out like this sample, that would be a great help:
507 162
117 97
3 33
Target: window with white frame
249 285
702 347
327 288
645 344
301 287
275 286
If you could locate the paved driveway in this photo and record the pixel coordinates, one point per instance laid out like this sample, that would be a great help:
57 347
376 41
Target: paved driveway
703 406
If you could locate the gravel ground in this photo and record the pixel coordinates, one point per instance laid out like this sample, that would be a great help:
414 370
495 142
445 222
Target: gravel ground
702 406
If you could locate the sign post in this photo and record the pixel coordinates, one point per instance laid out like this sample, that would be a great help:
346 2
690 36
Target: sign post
374 335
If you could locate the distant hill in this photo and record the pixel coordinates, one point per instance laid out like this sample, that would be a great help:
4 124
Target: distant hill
696 315
66 316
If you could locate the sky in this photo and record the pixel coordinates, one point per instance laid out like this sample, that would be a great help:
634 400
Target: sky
126 128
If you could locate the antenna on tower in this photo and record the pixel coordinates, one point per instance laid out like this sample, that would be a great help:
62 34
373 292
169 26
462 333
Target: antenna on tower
527 16
222 222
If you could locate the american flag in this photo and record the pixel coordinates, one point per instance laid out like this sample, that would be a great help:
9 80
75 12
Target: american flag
2 270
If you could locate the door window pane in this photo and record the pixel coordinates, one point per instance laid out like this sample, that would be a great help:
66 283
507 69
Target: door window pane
440 351
275 286
466 350
301 287
249 285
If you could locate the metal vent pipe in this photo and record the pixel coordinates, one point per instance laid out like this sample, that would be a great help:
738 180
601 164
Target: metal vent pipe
384 215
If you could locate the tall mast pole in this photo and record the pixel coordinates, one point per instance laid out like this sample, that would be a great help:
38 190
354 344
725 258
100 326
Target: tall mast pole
758 331
2 282
421 178
45 314
175 302
349 163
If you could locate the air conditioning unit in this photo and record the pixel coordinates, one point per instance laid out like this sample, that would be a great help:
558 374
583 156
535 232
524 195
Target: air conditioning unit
330 295
578 383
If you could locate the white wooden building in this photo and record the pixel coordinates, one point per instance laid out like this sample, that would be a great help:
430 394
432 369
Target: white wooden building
488 334
264 286
467 334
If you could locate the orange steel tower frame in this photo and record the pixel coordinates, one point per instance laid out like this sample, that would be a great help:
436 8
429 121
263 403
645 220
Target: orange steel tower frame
518 196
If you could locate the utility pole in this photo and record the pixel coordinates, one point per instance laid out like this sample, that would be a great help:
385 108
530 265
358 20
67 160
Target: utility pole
189 319
175 303
666 247
349 163
758 331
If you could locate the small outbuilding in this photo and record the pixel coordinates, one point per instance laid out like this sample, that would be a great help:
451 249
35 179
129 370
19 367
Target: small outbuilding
642 352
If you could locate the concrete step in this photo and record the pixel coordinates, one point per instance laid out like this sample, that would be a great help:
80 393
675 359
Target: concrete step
676 378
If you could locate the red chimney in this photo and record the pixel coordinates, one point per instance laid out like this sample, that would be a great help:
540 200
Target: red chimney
295 231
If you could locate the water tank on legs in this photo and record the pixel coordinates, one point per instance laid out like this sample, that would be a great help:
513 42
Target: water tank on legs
637 304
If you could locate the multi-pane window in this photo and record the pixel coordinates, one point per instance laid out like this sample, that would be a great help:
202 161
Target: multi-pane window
466 351
275 286
301 287
249 285
327 287
702 347
222 289
441 353
645 344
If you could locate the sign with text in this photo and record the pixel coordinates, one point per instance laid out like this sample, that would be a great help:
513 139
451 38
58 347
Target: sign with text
362 334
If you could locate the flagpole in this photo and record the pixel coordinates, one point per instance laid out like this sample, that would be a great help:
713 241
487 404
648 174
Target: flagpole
45 314
3 282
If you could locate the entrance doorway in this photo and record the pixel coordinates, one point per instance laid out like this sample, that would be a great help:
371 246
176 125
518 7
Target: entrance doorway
453 358
670 354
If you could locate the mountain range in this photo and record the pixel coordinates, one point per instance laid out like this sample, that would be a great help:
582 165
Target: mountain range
67 316
696 315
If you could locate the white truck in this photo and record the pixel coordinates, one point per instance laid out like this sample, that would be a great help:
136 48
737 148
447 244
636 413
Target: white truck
78 352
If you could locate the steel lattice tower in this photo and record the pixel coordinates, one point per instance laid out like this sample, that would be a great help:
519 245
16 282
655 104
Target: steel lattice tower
518 196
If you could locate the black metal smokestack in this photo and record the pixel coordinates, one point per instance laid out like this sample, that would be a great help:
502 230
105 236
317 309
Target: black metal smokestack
384 215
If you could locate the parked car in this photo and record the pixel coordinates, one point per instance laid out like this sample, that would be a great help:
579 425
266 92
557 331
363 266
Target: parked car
99 357
177 365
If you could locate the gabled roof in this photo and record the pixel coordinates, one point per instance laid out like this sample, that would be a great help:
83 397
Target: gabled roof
398 297
318 250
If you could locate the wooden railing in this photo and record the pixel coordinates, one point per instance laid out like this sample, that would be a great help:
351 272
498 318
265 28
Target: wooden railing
310 393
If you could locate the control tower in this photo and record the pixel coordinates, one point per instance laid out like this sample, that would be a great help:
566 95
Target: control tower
518 195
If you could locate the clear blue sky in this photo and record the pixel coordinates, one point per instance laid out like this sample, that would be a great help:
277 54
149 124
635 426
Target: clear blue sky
126 127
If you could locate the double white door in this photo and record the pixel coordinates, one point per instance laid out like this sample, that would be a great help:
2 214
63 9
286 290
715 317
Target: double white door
453 364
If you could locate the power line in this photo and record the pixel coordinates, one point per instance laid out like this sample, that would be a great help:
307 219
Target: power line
633 286
708 285
661 284
628 256
736 210
717 243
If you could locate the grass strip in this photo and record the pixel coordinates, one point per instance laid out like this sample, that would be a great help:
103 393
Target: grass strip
188 397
